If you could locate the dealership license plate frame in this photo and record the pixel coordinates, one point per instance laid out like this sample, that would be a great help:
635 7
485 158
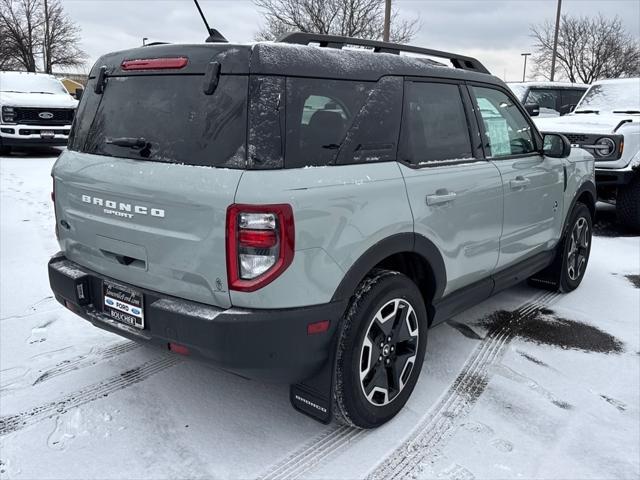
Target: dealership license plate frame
123 304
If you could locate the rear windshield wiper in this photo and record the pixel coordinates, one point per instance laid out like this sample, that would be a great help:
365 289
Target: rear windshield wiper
130 142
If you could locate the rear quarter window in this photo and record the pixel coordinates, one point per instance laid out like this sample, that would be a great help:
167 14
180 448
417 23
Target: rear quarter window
341 122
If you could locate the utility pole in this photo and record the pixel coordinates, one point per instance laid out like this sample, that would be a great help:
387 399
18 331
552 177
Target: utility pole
45 46
387 20
555 41
524 70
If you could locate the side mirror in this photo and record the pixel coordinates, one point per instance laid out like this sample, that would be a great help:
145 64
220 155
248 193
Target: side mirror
556 145
533 109
79 92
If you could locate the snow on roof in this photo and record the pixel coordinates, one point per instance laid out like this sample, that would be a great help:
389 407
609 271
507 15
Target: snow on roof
630 81
547 84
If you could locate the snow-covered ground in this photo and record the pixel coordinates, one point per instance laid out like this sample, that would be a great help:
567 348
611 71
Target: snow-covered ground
526 385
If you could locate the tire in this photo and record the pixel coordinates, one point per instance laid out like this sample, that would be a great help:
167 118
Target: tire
569 265
386 304
575 249
628 204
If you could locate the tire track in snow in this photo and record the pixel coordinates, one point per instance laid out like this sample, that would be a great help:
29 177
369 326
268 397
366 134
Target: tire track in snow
12 423
456 402
83 361
313 452
93 357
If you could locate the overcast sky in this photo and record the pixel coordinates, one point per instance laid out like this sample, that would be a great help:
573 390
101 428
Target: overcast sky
496 32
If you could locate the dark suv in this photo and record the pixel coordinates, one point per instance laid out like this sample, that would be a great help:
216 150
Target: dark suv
548 99
301 212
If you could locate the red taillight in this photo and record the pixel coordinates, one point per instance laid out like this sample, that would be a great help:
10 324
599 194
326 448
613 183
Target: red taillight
257 238
260 244
155 63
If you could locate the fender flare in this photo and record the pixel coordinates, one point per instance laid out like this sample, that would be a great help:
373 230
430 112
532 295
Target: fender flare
398 243
587 186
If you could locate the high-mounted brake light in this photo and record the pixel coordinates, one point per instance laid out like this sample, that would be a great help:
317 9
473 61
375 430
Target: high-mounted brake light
174 63
260 244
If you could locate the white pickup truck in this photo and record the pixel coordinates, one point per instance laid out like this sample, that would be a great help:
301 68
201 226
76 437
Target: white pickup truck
609 107
35 110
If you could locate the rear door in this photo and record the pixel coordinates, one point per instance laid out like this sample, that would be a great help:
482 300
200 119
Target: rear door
140 195
455 195
533 184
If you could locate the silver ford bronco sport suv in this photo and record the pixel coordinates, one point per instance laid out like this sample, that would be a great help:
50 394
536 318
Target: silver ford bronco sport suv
303 213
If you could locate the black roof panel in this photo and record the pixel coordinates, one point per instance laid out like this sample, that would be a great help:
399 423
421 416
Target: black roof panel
268 58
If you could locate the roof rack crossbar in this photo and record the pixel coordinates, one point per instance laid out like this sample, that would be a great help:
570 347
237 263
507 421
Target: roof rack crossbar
335 41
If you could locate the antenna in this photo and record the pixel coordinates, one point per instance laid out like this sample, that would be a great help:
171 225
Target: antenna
214 35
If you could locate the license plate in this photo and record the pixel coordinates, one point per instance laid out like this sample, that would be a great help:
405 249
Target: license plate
47 133
123 304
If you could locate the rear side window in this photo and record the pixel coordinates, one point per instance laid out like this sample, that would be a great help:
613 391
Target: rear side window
506 128
319 114
166 118
434 125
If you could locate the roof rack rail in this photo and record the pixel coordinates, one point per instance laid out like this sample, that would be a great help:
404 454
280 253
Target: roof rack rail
335 41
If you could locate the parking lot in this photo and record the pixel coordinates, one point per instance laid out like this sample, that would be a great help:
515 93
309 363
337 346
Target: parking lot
529 384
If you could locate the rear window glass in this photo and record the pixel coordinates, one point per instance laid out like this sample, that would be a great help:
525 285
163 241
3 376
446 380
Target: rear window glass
320 112
166 119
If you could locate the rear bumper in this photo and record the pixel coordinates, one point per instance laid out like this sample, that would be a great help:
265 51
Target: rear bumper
259 344
613 178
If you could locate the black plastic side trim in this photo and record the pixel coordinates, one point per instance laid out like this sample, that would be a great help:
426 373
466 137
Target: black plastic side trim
521 271
475 293
462 299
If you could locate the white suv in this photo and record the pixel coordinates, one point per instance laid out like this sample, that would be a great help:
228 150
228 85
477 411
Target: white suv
610 107
35 109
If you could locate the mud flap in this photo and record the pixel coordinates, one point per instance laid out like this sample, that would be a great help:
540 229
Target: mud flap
549 278
546 280
314 396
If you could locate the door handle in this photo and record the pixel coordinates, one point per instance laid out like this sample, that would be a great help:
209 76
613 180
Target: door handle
519 182
441 196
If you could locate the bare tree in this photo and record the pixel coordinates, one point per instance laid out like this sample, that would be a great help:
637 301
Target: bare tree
20 22
61 39
588 49
26 37
351 18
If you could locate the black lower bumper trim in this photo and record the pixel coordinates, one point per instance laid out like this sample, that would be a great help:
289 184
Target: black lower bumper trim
261 344
33 142
610 178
